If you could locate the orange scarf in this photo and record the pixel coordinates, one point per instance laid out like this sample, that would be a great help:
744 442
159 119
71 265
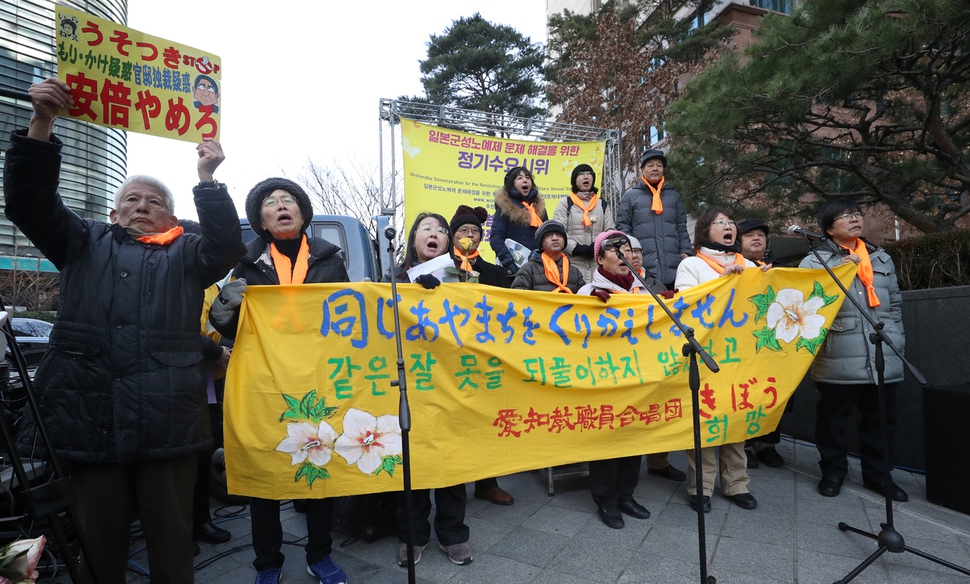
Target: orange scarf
285 271
585 207
658 205
554 275
466 265
173 234
738 261
865 270
534 219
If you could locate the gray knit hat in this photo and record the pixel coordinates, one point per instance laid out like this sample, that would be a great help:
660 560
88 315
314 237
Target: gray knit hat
263 189
550 226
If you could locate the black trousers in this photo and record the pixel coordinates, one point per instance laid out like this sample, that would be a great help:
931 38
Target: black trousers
449 519
834 410
159 492
612 481
268 532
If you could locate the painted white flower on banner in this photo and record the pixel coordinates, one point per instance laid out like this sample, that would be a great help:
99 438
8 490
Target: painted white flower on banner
367 440
306 441
792 316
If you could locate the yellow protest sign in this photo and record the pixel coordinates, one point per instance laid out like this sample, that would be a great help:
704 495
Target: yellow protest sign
127 80
446 168
502 381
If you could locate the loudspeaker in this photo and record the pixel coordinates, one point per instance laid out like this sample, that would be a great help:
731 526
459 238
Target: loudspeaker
947 449
369 517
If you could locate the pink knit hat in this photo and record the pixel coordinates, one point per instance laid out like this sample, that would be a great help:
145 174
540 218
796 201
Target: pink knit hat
603 237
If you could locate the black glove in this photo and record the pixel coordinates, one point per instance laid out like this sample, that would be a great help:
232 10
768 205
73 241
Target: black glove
428 281
583 251
510 268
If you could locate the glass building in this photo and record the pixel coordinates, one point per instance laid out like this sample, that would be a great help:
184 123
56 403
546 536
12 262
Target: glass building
94 157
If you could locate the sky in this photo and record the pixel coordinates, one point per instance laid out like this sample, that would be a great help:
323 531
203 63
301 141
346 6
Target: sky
302 81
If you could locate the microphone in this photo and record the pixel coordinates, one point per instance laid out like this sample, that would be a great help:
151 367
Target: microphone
389 233
616 242
796 230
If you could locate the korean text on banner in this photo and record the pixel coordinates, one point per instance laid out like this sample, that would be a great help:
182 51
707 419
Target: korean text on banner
502 381
446 168
127 80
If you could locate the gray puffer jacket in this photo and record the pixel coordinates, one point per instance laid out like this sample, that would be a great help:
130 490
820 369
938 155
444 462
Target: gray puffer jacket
571 216
663 237
847 357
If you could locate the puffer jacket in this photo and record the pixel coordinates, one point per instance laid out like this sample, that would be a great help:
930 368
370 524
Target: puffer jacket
532 276
123 379
847 357
663 237
324 265
511 221
571 216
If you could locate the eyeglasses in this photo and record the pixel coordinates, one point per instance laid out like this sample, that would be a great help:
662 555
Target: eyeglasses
208 88
438 230
585 173
273 201
469 230
722 223
853 215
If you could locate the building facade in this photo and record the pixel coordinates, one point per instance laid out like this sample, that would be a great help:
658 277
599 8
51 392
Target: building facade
94 159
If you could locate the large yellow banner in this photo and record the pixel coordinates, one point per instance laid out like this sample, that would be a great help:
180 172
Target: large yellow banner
124 79
446 168
502 381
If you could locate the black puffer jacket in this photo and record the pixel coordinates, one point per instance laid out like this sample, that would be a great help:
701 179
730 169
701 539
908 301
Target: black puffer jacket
123 379
324 265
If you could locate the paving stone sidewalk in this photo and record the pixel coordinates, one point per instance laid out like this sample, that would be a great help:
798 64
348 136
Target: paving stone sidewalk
791 537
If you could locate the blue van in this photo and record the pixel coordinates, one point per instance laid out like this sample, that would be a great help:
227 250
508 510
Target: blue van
364 258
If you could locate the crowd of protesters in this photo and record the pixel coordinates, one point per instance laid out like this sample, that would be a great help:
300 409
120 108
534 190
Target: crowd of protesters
125 381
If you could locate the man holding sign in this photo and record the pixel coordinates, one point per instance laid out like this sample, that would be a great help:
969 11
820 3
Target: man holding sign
122 389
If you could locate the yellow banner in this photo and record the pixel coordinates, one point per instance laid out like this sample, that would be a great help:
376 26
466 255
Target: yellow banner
446 168
502 381
127 80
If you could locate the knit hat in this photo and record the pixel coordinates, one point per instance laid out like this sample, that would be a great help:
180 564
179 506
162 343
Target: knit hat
550 226
750 225
598 242
263 189
651 154
510 177
465 215
575 175
634 243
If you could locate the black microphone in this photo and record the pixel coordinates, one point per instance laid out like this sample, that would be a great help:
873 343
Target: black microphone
796 230
389 233
616 242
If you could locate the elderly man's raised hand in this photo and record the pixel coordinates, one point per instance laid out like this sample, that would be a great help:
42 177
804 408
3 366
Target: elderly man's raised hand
210 157
46 97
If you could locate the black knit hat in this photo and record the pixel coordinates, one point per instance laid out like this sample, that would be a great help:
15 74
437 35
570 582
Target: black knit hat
651 154
263 189
465 215
550 226
579 169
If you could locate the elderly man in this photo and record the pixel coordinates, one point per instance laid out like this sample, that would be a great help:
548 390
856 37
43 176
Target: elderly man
122 388
653 212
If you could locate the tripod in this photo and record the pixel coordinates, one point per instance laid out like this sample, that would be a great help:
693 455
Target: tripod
691 349
889 539
404 412
47 500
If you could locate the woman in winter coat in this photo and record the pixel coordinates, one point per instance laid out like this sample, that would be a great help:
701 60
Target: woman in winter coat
585 216
279 212
612 482
519 211
717 254
552 270
845 370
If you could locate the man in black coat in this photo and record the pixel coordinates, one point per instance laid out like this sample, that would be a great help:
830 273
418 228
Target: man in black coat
122 387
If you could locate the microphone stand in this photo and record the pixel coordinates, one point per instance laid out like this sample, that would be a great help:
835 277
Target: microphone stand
404 410
888 539
691 349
